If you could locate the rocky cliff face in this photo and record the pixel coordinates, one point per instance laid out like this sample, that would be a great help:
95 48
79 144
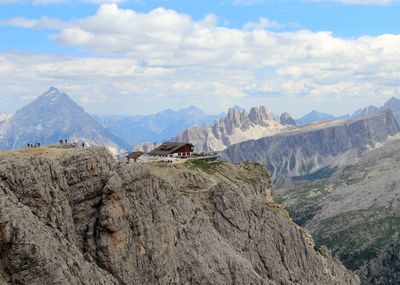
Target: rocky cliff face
71 216
237 126
313 147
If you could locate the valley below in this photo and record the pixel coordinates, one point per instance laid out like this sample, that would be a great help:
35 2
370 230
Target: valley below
355 212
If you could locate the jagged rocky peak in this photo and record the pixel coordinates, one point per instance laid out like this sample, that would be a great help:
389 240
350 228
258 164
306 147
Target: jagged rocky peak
394 105
260 115
235 127
104 222
365 112
393 102
234 117
53 96
286 119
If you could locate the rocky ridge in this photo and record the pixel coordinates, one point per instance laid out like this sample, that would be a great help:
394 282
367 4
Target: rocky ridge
70 216
308 149
235 127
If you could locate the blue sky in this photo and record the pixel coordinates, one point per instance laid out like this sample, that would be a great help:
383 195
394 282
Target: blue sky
292 56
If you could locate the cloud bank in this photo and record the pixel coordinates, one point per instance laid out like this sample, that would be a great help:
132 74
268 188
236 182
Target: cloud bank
163 55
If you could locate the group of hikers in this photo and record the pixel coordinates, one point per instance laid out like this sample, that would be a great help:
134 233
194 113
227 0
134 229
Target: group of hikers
65 141
31 145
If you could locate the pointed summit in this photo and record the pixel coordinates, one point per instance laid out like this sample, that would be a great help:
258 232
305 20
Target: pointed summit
314 116
54 116
286 119
394 105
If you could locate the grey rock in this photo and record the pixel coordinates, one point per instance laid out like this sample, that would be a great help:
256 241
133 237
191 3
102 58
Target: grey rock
286 119
70 216
235 127
393 104
365 112
308 149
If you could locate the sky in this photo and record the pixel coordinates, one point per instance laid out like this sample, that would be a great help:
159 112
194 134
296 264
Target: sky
140 57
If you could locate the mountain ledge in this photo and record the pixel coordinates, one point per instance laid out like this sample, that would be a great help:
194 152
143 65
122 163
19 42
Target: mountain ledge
70 216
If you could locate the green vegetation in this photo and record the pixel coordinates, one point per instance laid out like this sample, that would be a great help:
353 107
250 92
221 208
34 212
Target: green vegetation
357 236
208 167
279 199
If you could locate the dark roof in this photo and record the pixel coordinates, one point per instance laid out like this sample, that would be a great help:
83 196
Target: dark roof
168 148
135 154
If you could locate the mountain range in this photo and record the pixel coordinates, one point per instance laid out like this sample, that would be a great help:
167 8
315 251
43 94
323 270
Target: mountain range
154 128
308 149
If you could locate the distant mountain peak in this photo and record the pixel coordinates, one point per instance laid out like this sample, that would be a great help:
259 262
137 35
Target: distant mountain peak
53 116
286 119
191 108
392 101
52 95
314 116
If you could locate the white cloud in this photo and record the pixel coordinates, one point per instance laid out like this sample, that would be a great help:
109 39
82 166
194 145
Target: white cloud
163 56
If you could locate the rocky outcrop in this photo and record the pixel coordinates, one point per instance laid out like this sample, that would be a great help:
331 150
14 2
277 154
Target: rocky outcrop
237 126
286 119
70 216
313 147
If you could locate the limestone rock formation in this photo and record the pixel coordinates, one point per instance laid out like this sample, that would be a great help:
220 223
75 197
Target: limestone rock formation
70 216
311 148
235 127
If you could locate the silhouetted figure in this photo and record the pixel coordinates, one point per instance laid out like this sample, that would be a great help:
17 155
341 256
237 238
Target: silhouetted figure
38 144
29 145
83 145
61 141
66 141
